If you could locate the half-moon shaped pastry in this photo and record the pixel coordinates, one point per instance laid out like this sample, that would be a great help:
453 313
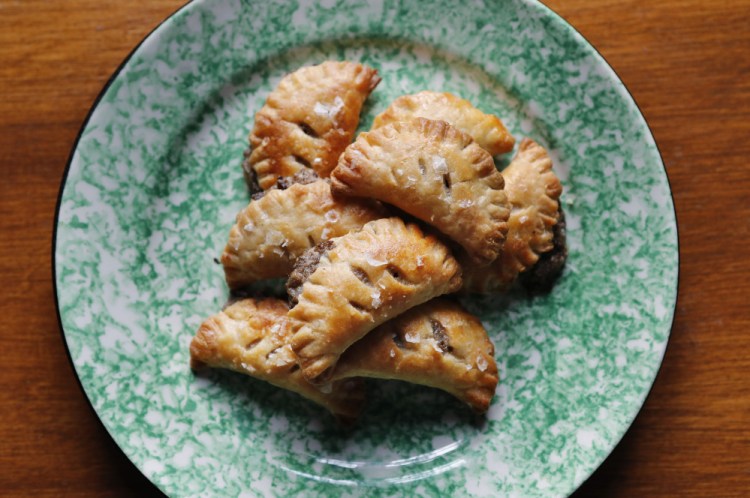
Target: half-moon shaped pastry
434 172
252 337
533 190
274 230
486 130
308 120
351 284
437 344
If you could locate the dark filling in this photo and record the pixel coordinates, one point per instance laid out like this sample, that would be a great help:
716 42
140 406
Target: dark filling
398 340
251 178
441 336
303 268
540 278
302 177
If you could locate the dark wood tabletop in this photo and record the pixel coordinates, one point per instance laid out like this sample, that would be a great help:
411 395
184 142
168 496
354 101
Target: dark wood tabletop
687 64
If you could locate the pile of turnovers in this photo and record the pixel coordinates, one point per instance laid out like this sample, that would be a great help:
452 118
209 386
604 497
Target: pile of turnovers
372 235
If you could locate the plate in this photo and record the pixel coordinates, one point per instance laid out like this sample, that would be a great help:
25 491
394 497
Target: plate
154 183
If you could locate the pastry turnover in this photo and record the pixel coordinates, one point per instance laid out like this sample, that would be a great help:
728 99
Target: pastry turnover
274 230
437 344
351 284
252 337
487 130
533 190
435 172
308 120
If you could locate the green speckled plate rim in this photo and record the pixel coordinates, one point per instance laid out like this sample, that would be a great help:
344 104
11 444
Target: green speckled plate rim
114 76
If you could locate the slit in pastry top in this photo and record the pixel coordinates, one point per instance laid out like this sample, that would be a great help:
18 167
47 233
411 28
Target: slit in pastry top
437 344
486 129
359 281
435 172
274 230
533 190
308 120
251 336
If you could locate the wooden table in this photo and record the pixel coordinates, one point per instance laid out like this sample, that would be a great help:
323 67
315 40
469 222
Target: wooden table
686 62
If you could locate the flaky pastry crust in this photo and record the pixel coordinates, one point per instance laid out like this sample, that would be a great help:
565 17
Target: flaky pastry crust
363 279
437 344
533 190
434 172
487 130
252 337
308 120
273 231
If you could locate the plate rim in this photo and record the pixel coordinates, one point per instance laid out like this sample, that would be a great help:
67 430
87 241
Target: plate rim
533 4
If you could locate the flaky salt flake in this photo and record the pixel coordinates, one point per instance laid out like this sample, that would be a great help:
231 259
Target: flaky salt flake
325 234
329 111
392 353
523 219
332 216
436 346
247 367
376 302
420 261
249 227
413 338
274 238
466 203
275 328
375 262
481 363
439 165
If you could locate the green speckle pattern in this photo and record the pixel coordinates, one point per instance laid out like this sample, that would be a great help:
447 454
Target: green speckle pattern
155 183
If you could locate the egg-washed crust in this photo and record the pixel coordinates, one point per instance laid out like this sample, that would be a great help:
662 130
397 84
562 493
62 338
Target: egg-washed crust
434 172
308 120
252 337
273 231
437 344
533 190
364 279
487 130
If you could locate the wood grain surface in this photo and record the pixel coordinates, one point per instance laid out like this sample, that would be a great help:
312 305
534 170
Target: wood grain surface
686 62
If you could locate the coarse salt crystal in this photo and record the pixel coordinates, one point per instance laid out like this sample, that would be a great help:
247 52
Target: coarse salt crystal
392 353
465 203
375 262
523 219
376 302
247 367
481 363
329 111
332 216
325 234
439 165
413 338
420 261
249 227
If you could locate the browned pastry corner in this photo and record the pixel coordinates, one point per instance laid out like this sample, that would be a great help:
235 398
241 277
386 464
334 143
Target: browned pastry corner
351 284
437 344
434 172
252 337
533 190
486 130
274 230
308 120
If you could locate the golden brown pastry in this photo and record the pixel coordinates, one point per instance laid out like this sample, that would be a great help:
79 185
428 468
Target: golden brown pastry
349 285
533 190
252 337
308 120
437 344
273 231
432 171
487 130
